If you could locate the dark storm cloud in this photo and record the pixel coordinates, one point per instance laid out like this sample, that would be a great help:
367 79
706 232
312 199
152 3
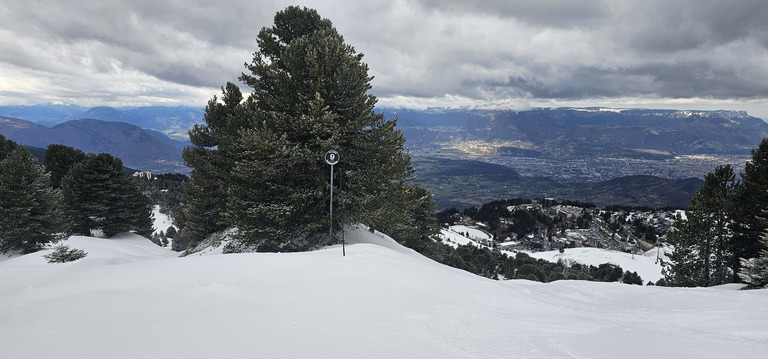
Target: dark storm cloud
156 51
684 25
688 80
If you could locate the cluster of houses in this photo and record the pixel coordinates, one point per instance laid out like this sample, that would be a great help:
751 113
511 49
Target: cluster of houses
144 175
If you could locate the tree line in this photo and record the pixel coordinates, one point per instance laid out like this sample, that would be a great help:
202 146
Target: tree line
69 193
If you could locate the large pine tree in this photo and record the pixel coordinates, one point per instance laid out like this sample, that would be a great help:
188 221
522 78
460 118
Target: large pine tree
30 213
309 96
702 242
100 196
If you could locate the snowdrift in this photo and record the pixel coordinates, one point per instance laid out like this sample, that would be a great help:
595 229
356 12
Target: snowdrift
131 299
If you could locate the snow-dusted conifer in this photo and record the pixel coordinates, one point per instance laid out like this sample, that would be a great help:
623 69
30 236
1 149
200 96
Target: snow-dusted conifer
309 97
750 203
63 254
30 213
703 241
212 155
754 271
99 195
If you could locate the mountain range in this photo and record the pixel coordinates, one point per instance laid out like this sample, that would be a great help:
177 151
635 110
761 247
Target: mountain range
138 148
463 156
173 121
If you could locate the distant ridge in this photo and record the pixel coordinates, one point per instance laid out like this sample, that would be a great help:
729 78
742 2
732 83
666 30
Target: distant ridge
138 148
173 121
464 156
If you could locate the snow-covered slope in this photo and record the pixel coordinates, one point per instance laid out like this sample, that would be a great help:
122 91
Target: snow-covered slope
131 299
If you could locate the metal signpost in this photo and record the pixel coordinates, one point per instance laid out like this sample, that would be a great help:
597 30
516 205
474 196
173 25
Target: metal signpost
332 158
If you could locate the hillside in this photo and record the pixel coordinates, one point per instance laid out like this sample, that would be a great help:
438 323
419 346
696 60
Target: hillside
173 121
138 148
129 298
571 145
465 183
571 132
649 191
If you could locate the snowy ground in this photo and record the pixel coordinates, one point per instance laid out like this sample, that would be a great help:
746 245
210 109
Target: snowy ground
131 299
161 220
456 236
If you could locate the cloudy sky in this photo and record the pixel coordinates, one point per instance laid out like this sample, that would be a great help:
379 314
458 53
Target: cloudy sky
684 54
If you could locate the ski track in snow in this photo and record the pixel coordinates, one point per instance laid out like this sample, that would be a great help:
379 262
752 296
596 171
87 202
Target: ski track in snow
132 299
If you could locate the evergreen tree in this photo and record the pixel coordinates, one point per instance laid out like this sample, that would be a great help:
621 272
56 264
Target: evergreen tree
6 146
59 159
702 242
212 156
99 195
751 203
754 271
30 213
309 96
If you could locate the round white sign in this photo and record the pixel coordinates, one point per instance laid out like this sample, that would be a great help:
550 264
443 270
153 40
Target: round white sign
332 157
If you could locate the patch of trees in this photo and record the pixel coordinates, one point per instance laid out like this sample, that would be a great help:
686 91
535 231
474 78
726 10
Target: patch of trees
722 238
165 191
447 216
518 221
496 265
31 210
70 193
645 231
523 266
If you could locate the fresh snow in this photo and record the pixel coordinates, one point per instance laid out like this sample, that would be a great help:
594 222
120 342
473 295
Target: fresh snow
161 221
132 299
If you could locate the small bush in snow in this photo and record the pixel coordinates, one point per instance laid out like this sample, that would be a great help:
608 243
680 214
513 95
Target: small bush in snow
62 254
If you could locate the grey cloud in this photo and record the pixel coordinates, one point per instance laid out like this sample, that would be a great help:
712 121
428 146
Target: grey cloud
481 50
554 13
681 80
670 26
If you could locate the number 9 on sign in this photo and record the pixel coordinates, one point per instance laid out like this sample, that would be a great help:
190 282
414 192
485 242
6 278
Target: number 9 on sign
332 157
